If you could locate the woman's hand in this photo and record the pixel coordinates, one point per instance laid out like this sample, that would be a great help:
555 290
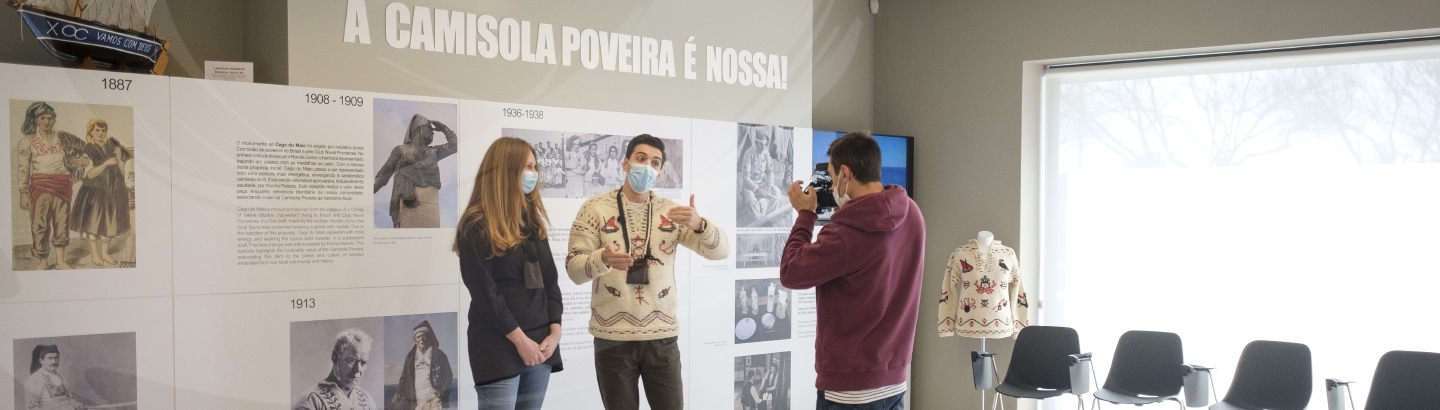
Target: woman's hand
551 343
529 350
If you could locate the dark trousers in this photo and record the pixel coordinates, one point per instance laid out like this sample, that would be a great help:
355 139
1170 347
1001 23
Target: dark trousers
896 402
619 366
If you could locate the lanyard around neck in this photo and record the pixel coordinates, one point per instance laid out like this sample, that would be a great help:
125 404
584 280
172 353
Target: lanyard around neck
625 230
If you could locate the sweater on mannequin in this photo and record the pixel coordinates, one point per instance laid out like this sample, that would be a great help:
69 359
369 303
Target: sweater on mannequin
981 294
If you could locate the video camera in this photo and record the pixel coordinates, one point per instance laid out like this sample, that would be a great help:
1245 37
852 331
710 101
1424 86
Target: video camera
821 184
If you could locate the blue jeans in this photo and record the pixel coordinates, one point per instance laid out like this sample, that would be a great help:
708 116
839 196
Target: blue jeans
525 391
896 402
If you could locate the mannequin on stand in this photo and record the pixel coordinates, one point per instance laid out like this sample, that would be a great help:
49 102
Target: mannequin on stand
981 296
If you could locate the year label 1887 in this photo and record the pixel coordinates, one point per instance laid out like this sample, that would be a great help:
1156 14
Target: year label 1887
115 84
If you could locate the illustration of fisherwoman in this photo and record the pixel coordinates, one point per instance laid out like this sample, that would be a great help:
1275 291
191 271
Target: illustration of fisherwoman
101 209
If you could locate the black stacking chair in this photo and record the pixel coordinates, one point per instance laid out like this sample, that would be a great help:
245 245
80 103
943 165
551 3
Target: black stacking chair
1271 376
1147 368
1040 364
1405 380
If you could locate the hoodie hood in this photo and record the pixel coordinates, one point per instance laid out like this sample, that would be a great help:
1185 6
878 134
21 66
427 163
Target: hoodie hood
882 211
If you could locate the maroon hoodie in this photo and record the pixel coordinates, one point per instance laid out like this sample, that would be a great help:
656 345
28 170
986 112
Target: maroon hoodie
866 268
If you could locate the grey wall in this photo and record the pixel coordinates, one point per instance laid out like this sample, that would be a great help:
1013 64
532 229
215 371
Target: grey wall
266 32
844 66
319 57
949 73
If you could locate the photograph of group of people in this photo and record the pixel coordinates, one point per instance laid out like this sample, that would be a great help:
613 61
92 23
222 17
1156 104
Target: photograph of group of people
763 174
393 362
762 382
73 174
580 165
76 372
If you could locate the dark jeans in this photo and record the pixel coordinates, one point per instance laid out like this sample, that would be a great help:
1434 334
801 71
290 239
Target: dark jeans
620 365
896 402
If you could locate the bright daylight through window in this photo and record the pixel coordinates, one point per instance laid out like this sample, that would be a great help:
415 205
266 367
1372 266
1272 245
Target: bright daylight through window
1291 197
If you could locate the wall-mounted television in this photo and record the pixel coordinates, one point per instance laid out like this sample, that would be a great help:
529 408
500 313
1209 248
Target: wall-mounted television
897 158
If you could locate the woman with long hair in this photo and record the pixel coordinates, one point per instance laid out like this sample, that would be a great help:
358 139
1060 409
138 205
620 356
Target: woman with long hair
507 266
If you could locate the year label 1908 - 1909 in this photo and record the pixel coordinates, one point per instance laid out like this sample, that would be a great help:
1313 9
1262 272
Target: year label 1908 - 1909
326 99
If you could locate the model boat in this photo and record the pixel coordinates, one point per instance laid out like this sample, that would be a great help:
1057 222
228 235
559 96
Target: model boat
97 33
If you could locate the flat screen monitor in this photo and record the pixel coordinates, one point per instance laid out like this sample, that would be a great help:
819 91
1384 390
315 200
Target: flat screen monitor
897 158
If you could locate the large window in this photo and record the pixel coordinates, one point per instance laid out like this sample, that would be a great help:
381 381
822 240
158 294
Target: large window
1290 197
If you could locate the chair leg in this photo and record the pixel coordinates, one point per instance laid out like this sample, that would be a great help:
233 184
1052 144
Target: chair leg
1178 402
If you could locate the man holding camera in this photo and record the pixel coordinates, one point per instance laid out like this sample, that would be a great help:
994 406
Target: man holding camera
866 267
625 241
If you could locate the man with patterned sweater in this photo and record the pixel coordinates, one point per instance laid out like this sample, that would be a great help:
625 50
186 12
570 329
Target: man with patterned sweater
624 242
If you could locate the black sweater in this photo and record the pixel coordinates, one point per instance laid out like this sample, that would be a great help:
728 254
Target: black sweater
499 302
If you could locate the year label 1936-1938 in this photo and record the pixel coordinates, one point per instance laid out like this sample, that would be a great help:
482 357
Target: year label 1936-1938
519 113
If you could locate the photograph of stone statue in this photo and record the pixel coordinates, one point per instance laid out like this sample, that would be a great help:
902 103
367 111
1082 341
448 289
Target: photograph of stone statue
581 165
76 372
73 202
762 382
420 362
763 174
331 364
762 311
759 250
415 174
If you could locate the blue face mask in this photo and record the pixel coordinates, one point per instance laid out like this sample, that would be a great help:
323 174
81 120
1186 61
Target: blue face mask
641 177
528 180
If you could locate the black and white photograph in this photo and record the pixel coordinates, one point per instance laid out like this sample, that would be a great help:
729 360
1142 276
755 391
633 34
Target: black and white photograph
582 165
762 382
415 180
337 364
759 250
420 366
76 372
762 311
74 206
767 157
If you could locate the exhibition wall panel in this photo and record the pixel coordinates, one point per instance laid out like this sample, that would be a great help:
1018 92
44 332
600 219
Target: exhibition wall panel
286 242
114 188
278 189
268 350
117 353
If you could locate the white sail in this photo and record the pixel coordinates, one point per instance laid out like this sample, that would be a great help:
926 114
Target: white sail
126 14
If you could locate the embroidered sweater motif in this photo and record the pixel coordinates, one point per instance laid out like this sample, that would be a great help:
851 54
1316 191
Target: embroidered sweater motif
981 294
624 312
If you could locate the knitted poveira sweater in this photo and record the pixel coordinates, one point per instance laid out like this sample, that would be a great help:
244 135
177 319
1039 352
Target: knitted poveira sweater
981 294
625 312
